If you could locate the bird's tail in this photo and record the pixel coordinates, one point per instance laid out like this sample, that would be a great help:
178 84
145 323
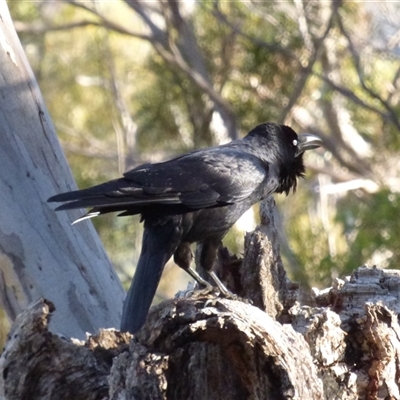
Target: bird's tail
159 243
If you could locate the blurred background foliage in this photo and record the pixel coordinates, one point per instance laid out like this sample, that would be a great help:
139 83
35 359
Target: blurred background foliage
128 82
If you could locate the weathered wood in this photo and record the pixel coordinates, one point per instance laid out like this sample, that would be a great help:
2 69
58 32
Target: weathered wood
41 255
260 276
37 364
263 276
355 336
210 348
227 349
346 345
197 349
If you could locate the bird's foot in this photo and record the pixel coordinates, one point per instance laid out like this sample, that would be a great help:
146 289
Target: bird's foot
214 293
225 292
206 290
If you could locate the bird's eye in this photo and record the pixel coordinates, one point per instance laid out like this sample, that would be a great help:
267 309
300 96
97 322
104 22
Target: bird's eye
294 142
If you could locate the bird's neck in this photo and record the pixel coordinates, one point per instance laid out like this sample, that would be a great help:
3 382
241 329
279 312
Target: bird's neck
289 173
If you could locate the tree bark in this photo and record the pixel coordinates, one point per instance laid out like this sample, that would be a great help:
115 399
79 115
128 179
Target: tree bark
41 255
344 345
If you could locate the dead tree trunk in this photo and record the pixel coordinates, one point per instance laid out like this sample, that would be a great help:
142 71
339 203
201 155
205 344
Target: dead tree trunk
346 345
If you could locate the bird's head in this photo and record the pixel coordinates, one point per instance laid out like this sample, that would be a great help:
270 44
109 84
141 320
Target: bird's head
293 147
282 146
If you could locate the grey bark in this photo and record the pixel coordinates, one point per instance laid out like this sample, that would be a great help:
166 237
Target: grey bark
41 255
344 344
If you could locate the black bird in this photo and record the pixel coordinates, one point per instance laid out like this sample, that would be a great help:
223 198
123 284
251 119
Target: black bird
196 197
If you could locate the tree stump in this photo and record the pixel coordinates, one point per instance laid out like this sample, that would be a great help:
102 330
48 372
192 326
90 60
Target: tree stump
346 345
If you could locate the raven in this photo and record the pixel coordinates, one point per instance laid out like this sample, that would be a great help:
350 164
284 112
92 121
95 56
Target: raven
196 197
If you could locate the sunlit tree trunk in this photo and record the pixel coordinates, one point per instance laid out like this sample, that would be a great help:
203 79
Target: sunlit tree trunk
41 255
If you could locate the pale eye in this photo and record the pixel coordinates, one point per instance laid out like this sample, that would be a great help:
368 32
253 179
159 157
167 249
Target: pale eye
294 142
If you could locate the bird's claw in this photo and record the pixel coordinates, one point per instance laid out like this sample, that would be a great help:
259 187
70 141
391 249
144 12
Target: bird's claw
201 291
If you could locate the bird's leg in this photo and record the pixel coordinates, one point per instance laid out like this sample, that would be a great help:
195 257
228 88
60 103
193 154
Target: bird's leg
208 255
195 275
222 288
183 258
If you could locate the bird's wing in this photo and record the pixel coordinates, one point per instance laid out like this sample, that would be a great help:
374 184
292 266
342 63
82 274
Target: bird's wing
202 179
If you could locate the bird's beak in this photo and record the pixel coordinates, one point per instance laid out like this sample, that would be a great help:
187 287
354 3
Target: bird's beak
307 141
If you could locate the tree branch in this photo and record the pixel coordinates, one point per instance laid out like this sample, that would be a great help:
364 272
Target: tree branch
357 64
